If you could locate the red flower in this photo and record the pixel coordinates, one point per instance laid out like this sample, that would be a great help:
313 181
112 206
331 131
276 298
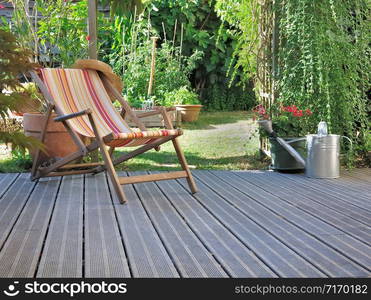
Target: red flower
308 112
288 109
88 37
297 113
2 6
259 109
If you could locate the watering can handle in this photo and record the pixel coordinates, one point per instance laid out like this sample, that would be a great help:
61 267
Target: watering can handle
350 141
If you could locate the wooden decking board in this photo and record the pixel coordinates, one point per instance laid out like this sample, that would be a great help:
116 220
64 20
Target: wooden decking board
239 224
21 252
348 246
186 250
317 195
360 174
230 252
6 180
62 256
329 187
280 258
356 184
146 254
343 184
12 203
332 217
319 254
104 252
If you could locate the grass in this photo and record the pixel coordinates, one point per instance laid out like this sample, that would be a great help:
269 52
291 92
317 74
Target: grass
217 141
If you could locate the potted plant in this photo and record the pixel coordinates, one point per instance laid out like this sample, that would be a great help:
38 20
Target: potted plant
290 123
186 101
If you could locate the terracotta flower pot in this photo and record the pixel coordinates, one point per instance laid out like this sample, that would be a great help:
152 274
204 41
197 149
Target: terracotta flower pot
189 113
57 141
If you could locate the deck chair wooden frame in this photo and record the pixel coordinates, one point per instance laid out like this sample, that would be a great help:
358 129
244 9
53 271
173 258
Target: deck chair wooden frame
63 166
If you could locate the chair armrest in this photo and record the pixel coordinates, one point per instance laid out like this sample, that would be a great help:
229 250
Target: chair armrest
158 111
74 115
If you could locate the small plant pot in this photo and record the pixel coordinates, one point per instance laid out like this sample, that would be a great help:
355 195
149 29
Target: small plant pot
283 160
58 142
189 113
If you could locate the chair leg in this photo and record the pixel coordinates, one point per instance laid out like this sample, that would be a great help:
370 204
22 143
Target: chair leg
108 163
183 163
35 164
112 174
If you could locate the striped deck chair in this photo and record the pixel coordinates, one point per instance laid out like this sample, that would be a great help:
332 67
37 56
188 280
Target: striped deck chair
80 98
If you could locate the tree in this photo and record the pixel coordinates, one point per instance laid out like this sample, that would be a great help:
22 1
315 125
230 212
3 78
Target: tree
14 61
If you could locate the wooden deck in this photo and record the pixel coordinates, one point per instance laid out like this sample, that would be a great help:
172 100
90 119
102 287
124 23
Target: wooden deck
240 224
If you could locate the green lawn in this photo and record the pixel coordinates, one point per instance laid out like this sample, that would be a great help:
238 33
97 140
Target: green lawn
218 140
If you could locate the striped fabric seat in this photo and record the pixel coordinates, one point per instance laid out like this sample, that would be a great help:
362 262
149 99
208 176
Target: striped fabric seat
74 90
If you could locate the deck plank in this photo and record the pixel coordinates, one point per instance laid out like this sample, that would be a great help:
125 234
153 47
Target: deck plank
190 256
324 232
240 224
20 255
6 180
322 256
318 195
104 251
229 251
146 254
363 174
337 219
334 188
278 256
62 255
12 203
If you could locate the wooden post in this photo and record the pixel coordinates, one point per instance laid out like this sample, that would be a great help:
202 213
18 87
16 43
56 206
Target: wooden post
153 65
92 29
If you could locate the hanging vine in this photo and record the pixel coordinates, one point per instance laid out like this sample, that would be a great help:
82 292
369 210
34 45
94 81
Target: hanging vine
311 53
324 63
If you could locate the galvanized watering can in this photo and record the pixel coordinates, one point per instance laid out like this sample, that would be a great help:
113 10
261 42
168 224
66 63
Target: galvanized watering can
323 151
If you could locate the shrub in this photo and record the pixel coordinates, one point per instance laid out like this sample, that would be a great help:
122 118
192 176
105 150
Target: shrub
14 60
182 96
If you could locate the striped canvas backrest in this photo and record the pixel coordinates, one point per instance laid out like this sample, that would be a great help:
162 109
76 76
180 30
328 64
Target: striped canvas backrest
74 90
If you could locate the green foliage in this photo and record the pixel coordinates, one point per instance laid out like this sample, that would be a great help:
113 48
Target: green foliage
323 57
181 96
194 25
60 37
14 61
133 61
123 7
325 62
241 20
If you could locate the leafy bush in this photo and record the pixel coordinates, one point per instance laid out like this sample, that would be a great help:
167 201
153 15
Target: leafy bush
195 25
182 96
172 71
14 60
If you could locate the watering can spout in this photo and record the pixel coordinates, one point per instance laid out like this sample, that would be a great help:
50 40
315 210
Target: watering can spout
267 126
